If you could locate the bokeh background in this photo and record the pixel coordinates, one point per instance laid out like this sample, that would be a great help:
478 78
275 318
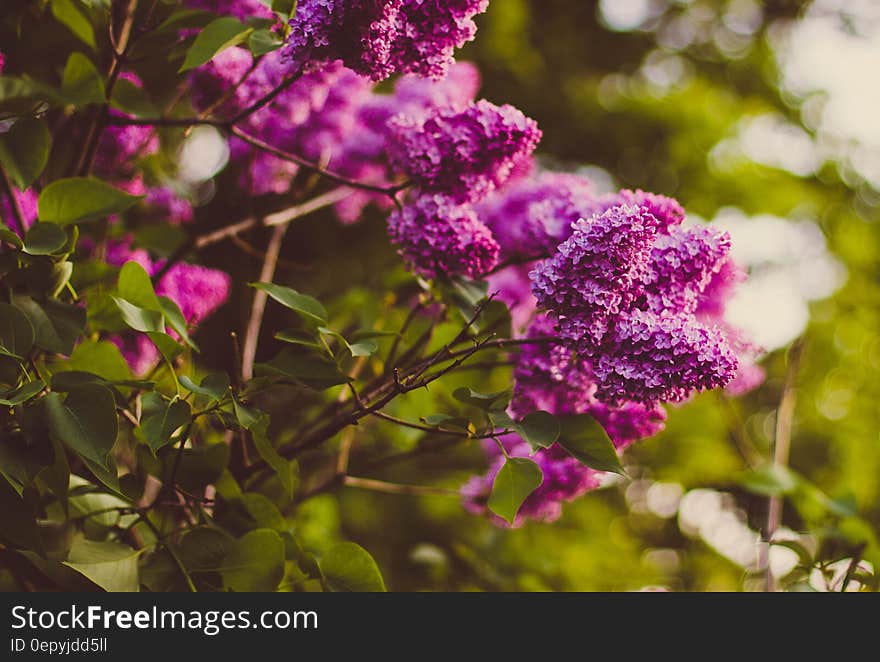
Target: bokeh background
759 116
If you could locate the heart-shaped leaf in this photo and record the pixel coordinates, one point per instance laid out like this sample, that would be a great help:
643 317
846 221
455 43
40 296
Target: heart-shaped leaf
516 480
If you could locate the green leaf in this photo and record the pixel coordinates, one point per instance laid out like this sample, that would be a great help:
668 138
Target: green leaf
496 401
16 332
264 41
131 99
140 319
162 418
257 423
468 293
585 439
348 567
284 7
69 14
23 393
134 285
77 199
494 317
311 370
361 348
446 421
770 480
86 421
217 36
540 429
175 319
184 18
255 562
295 337
307 306
24 150
97 357
516 480
57 325
18 525
44 239
81 84
10 237
204 548
213 386
168 347
200 466
110 565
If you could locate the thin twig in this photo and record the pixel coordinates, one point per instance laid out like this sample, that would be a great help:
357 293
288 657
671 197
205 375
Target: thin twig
781 452
258 308
120 48
177 560
397 488
390 191
282 217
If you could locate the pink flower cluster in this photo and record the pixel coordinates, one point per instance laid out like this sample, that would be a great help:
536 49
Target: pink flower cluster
377 38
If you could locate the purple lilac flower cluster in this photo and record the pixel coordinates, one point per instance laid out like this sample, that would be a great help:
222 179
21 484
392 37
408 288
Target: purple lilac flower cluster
624 289
377 38
532 216
551 377
636 302
437 236
463 153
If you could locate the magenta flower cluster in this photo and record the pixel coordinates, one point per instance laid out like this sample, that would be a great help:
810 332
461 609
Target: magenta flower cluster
463 153
377 38
532 216
634 307
436 236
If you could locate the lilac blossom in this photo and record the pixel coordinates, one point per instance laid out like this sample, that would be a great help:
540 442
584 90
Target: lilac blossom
435 236
683 263
647 357
464 154
165 203
377 38
362 156
531 217
592 276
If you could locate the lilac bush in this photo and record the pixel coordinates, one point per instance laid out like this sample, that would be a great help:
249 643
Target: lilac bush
604 306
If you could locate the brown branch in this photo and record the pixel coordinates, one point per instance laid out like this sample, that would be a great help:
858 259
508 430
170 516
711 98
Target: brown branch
273 220
781 452
397 488
390 191
120 48
252 333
